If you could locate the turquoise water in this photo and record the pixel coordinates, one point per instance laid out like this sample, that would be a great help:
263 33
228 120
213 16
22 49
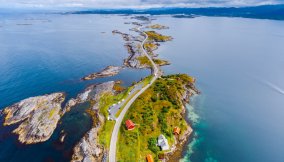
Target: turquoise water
238 64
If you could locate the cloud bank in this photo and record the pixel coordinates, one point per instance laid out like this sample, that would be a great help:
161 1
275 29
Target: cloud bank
134 3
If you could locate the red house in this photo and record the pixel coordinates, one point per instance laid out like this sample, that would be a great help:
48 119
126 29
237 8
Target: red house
129 124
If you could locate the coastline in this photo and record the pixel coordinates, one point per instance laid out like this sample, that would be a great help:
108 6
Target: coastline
154 38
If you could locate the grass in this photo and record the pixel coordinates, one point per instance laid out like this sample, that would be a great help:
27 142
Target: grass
51 113
157 26
131 149
106 101
145 81
150 46
152 35
160 62
157 111
145 61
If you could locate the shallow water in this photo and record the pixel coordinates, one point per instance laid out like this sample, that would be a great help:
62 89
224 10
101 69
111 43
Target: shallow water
237 62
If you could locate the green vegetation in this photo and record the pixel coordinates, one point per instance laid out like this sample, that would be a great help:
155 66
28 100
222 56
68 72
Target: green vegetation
118 88
145 61
150 46
51 113
157 111
157 26
152 35
161 62
106 100
132 142
152 145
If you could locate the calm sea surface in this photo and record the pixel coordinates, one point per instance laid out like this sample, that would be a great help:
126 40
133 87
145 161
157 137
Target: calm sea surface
238 64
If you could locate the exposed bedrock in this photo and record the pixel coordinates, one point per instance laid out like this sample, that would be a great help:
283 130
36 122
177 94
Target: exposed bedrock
38 116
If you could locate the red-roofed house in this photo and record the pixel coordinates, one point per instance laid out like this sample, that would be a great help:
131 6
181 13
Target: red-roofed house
149 158
129 124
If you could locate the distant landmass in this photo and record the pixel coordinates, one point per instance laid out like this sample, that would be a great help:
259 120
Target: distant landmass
275 12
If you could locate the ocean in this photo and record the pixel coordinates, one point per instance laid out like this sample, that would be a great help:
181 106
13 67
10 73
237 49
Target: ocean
237 63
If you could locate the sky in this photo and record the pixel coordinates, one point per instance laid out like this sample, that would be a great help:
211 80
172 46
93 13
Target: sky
133 3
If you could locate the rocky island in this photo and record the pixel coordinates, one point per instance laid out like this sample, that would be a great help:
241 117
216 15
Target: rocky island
38 116
108 71
136 58
157 26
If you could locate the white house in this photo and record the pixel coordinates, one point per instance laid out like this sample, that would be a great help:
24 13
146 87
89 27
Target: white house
163 142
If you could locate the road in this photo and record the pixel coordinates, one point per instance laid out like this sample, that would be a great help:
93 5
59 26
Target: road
115 108
114 136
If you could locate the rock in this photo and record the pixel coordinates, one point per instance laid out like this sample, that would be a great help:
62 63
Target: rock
180 141
135 51
62 137
39 116
92 92
108 71
88 149
72 102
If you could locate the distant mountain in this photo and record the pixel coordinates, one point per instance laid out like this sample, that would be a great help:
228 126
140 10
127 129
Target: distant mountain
275 12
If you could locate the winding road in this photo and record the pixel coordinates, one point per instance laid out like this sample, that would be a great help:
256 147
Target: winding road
114 136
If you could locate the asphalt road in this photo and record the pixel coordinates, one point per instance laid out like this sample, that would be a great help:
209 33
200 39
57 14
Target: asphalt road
115 108
114 136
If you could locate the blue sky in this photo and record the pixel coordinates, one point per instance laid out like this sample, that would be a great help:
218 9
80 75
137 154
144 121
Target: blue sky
133 3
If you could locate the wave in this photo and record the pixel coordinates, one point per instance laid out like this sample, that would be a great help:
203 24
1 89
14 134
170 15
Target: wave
273 87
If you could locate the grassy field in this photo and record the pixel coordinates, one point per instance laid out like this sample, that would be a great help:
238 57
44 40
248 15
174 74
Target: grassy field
157 26
150 46
145 61
152 35
106 101
157 111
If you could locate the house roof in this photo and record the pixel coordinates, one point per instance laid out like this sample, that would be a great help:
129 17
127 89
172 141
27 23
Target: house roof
129 123
149 158
163 142
177 130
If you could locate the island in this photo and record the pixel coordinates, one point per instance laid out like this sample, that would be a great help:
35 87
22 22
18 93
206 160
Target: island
158 111
108 71
157 26
38 117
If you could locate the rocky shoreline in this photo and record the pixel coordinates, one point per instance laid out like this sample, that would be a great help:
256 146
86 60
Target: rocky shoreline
88 148
38 117
135 50
181 141
106 72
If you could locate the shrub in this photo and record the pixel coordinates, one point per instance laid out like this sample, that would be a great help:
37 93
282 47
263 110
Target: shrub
152 145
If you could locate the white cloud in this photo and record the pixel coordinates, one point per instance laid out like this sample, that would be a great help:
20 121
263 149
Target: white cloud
133 3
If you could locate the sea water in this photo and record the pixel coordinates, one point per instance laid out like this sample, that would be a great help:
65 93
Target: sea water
238 64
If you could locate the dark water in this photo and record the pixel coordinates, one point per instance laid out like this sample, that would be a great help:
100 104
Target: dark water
42 54
238 64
